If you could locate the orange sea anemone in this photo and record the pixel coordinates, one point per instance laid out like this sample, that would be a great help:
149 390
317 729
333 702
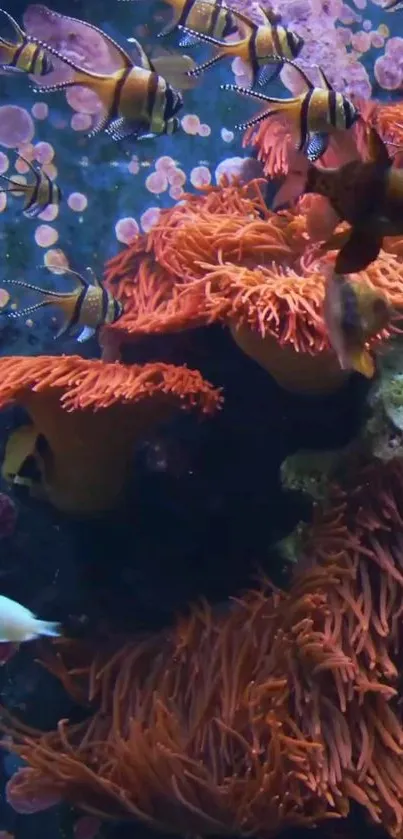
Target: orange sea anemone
88 416
224 256
281 711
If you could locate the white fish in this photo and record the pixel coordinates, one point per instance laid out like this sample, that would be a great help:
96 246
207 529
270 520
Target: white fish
19 624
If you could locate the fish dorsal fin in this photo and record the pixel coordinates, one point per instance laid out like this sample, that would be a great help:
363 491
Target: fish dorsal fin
309 85
250 24
95 281
377 149
81 281
270 16
31 166
145 61
17 28
127 61
324 80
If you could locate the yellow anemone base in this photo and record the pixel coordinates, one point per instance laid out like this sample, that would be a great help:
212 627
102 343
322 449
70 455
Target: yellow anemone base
89 454
292 370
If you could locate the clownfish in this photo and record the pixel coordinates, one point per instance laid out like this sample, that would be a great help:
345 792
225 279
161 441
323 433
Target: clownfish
314 114
366 194
38 195
264 47
18 624
25 55
353 313
89 305
138 100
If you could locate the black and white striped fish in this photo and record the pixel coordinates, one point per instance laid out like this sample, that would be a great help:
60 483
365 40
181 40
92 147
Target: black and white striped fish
90 305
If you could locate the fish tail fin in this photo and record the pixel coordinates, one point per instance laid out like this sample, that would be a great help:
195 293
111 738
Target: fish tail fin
287 106
31 287
362 362
296 181
28 310
50 628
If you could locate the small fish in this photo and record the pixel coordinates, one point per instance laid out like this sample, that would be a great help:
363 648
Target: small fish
38 195
263 47
25 55
27 457
138 100
18 624
314 114
392 5
208 17
354 312
366 194
89 305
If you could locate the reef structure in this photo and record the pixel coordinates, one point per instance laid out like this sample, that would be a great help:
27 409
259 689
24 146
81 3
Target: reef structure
224 257
86 418
279 711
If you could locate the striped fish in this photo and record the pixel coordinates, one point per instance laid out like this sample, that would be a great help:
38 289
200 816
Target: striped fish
39 194
264 48
24 55
90 305
392 5
314 114
209 17
137 100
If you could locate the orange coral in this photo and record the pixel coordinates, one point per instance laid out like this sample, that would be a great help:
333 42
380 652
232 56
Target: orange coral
225 256
279 712
76 405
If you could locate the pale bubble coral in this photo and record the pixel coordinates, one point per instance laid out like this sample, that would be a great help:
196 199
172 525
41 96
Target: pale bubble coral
44 152
190 124
200 176
16 126
126 230
387 73
55 260
77 201
150 218
229 168
46 236
81 122
40 110
50 213
157 182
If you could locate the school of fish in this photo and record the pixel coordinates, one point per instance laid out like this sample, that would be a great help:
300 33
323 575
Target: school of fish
143 98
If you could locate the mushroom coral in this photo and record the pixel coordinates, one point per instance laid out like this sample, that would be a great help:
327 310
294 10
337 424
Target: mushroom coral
223 256
89 416
280 711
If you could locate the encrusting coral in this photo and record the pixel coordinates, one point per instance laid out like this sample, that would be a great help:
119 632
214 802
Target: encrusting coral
89 415
280 711
223 256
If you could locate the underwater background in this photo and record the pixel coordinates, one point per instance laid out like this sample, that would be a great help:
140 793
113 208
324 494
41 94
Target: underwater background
208 502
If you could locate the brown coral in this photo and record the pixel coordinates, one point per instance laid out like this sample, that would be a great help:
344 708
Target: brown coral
90 415
279 712
224 256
